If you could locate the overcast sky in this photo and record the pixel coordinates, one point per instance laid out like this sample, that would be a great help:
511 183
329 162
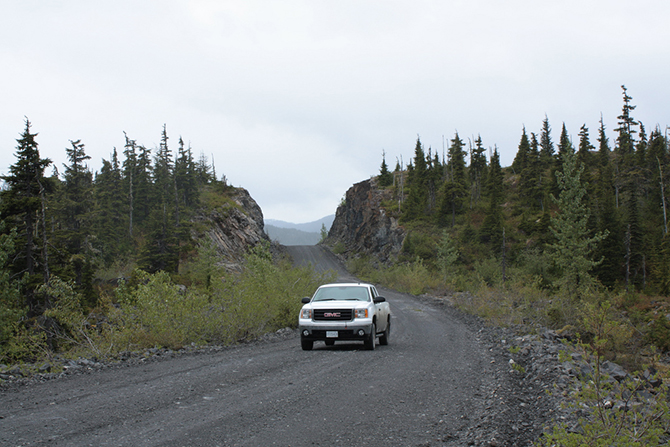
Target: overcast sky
296 100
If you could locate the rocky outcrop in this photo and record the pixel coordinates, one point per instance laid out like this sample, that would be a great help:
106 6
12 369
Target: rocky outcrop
362 226
234 227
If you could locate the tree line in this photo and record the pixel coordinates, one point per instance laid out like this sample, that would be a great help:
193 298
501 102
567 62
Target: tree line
614 193
74 222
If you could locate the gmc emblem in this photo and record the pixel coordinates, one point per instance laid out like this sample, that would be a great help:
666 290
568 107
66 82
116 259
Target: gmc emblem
331 315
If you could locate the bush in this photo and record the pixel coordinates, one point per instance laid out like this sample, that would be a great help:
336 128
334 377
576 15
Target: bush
629 413
220 307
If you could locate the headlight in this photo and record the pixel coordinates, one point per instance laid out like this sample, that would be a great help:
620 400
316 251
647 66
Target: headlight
361 313
306 314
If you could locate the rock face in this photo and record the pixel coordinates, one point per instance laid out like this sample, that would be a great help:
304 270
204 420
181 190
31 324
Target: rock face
362 225
234 228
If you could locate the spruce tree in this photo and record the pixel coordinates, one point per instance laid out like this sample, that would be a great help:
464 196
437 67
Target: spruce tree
533 176
610 249
522 154
75 206
204 170
492 227
21 202
455 188
530 184
385 177
130 176
584 155
417 200
161 246
477 170
186 177
573 250
546 145
626 130
144 195
111 219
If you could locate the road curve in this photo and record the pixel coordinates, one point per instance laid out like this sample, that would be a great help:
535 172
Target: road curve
424 389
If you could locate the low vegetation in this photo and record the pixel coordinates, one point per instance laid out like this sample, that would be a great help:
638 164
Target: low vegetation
208 305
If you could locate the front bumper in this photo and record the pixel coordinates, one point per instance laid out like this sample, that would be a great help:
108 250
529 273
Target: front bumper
315 332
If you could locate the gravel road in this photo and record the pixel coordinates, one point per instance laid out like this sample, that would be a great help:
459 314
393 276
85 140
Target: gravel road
436 384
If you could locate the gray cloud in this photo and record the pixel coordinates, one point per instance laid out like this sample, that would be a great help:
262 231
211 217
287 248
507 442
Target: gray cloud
296 100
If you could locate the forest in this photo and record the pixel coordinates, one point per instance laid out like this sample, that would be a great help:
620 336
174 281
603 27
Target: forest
623 200
567 225
106 262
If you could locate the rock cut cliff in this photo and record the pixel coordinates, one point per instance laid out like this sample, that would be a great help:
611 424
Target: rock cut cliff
233 227
363 227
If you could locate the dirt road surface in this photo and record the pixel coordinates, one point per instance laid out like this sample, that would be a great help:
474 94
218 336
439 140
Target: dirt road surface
426 388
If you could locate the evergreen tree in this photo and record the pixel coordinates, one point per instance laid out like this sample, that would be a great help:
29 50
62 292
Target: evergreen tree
635 256
143 186
204 170
455 188
546 145
75 205
492 227
531 178
21 202
657 171
572 252
564 145
603 145
626 131
417 201
385 177
161 247
186 177
641 147
433 178
522 154
130 176
584 155
610 249
111 220
477 170
162 173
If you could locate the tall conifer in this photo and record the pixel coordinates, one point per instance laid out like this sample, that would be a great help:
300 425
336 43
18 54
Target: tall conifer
21 203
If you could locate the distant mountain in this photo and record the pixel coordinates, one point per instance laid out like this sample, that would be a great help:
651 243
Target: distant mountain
310 227
288 233
291 236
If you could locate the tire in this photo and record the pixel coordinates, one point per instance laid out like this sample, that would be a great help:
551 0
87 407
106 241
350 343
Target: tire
369 342
384 338
307 345
330 342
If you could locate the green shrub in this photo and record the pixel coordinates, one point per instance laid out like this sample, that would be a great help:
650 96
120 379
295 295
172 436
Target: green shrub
17 341
612 414
659 333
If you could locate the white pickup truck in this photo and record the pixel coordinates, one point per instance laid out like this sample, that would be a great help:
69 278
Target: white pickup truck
345 311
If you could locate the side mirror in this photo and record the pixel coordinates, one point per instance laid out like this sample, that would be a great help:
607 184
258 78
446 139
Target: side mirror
306 300
379 299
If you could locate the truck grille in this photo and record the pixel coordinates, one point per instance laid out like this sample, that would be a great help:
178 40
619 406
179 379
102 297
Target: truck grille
333 314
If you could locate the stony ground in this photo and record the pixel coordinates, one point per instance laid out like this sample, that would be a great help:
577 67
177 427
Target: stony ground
521 397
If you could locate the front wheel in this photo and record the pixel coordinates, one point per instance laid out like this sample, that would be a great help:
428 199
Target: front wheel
369 342
384 338
307 345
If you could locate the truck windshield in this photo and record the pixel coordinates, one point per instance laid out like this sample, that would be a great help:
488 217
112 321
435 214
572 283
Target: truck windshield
353 293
